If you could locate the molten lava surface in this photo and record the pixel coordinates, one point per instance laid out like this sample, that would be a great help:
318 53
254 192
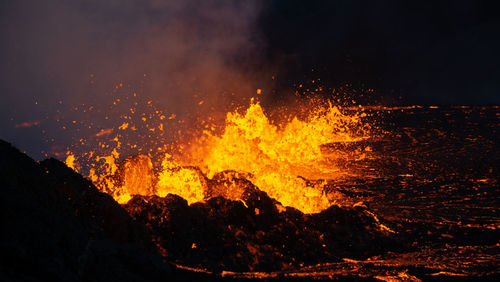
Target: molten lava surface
428 175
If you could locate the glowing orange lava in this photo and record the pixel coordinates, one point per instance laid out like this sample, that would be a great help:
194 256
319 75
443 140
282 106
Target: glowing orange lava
287 160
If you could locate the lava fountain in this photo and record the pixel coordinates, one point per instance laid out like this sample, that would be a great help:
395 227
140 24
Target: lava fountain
288 160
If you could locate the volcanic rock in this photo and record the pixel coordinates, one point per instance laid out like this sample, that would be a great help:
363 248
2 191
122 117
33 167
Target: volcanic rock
251 234
58 227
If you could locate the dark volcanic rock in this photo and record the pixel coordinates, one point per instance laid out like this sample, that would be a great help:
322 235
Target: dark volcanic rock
93 208
58 226
351 231
252 235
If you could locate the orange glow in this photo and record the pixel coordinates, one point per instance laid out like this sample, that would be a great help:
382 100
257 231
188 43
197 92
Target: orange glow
286 160
186 182
70 160
104 132
277 158
27 124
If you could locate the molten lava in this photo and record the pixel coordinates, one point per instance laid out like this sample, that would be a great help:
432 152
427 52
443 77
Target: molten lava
288 161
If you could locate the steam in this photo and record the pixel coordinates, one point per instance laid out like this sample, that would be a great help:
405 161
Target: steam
187 56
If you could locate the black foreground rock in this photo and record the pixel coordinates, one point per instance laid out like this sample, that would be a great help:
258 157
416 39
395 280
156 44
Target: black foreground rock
57 226
256 233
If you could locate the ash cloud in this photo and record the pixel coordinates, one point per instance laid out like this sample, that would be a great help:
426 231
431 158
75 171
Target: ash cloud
177 53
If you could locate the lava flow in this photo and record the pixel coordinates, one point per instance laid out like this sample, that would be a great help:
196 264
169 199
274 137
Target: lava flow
287 160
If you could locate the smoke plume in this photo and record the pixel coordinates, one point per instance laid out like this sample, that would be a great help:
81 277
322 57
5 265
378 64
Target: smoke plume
186 56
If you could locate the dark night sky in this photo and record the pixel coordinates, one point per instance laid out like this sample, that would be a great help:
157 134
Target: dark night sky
56 54
427 52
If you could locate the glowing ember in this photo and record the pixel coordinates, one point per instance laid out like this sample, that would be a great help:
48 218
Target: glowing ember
285 160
